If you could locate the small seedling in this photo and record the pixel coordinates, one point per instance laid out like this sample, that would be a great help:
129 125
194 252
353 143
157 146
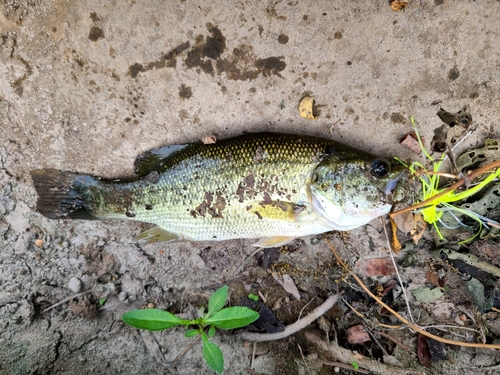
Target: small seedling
216 317
253 297
355 365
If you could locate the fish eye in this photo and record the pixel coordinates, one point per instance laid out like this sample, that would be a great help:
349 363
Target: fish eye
380 168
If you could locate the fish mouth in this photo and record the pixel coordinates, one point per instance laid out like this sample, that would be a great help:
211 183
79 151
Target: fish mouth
335 224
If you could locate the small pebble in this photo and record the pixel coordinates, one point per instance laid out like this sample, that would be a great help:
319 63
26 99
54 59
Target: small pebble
151 305
122 296
75 284
39 242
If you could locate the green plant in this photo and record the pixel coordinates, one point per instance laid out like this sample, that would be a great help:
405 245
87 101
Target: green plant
439 199
253 297
216 317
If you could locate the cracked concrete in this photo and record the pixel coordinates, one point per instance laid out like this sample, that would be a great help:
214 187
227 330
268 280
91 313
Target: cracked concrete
87 86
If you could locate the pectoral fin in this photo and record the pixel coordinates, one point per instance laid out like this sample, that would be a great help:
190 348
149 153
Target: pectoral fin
273 241
157 234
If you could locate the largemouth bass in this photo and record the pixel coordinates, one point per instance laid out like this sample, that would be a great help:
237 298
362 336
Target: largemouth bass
271 186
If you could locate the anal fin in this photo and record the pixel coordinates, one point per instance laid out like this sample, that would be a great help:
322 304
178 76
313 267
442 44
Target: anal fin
157 234
276 241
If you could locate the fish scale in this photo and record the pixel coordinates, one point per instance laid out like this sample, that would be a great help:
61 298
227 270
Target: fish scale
256 185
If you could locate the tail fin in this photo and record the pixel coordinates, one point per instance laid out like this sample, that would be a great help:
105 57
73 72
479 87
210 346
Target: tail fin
61 195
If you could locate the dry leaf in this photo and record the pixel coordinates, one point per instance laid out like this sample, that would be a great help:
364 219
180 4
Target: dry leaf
410 141
423 352
375 267
433 278
389 287
306 108
357 335
419 227
209 140
397 5
405 222
287 282
394 242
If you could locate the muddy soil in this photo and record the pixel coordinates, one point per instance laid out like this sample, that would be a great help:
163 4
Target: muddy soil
87 86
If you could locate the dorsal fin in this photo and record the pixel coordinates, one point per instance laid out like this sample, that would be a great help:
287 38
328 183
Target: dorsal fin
153 160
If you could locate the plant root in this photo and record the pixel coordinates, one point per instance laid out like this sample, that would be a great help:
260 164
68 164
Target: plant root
294 327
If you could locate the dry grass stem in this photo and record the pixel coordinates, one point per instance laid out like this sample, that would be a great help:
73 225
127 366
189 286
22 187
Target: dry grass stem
406 321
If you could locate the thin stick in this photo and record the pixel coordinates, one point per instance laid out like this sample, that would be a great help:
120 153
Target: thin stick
406 321
186 350
397 272
253 353
307 304
417 328
304 359
294 327
252 254
389 337
252 372
442 174
65 300
347 356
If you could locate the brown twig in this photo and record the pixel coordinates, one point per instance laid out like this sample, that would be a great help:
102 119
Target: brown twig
252 372
442 174
186 350
347 356
66 300
389 337
406 321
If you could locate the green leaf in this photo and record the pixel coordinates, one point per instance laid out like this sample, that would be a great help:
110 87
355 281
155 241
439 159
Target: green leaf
233 317
192 332
151 319
213 355
253 297
211 331
217 300
102 301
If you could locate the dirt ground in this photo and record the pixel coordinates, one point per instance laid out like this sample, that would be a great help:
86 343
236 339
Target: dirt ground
88 85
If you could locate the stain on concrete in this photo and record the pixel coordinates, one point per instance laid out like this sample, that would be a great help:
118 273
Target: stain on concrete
283 39
94 17
185 92
453 74
240 65
271 66
397 117
166 61
96 33
212 48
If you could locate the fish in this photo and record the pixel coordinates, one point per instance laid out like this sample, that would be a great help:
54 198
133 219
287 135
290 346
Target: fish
268 186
